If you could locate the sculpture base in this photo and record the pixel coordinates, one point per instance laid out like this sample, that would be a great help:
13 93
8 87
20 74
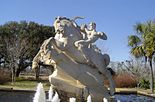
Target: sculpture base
67 90
63 82
68 87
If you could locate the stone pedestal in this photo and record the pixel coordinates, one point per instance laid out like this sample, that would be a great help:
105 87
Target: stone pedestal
61 81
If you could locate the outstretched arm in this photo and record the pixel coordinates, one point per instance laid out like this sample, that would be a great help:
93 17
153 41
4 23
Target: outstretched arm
102 35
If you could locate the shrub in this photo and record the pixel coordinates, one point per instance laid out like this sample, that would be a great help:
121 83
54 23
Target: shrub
125 80
5 76
144 83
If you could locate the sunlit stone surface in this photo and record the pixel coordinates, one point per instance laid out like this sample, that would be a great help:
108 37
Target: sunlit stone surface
79 65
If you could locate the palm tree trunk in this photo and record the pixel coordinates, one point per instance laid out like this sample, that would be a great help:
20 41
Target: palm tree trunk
145 61
152 78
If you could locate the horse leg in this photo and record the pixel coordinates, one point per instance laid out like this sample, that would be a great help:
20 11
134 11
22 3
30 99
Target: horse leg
111 82
102 66
52 75
36 60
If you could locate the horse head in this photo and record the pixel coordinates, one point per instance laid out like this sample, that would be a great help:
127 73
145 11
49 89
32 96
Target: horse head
65 27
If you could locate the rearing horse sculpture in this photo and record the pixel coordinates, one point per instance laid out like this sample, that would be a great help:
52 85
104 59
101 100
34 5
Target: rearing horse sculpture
68 51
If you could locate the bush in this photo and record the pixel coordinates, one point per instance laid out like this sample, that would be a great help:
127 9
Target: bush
144 83
125 80
5 76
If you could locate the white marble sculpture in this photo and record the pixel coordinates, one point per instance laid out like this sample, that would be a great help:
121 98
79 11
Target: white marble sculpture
76 59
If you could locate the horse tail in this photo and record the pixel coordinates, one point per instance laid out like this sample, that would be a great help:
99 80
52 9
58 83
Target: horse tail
77 17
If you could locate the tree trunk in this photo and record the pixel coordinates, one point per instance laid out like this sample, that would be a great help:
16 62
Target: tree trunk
13 74
152 77
18 72
145 62
21 66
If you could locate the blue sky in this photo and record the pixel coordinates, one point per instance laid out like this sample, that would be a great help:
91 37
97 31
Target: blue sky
114 17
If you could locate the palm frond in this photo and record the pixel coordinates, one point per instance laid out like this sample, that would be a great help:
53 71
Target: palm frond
133 40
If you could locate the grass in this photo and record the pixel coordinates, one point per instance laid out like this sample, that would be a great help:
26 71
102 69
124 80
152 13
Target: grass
25 84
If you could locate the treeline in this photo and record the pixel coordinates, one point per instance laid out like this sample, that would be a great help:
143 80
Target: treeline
20 42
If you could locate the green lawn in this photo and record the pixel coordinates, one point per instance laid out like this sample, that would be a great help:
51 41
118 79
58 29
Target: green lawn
25 84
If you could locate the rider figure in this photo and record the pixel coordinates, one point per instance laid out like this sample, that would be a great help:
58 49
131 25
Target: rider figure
90 35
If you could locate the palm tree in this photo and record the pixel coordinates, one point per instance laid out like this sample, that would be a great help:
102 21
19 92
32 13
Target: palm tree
143 45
